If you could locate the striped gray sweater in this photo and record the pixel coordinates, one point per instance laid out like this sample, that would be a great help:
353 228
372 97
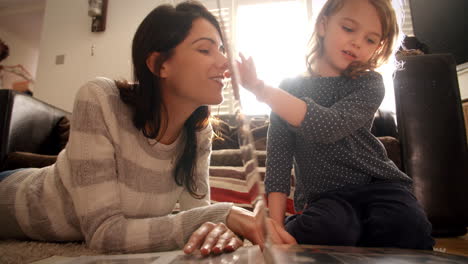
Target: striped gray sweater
110 186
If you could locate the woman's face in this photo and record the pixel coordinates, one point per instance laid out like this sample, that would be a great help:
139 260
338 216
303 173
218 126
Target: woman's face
194 73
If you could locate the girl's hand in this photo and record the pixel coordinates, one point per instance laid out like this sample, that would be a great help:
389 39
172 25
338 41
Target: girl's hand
252 226
212 238
248 75
279 235
276 232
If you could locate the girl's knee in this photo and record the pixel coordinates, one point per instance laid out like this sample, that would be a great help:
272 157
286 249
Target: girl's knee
417 230
412 221
406 230
333 231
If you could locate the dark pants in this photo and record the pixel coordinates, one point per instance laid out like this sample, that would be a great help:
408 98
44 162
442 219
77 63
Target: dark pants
380 214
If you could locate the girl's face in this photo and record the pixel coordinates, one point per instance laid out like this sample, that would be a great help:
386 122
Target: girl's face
352 34
193 75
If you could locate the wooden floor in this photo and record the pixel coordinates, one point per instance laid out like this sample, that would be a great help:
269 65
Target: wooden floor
453 245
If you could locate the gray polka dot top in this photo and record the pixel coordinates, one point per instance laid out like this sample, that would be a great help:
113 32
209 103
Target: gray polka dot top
333 147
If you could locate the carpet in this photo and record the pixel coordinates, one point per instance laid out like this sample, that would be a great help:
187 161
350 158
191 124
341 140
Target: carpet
13 251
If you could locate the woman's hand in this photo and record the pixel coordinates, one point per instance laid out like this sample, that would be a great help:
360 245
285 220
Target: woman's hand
212 238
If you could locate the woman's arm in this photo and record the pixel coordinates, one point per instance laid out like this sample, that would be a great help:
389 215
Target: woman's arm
210 237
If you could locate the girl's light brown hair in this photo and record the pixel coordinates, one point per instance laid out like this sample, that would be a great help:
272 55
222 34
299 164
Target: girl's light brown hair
388 45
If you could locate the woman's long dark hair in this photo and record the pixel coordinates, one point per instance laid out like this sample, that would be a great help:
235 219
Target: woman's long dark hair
161 31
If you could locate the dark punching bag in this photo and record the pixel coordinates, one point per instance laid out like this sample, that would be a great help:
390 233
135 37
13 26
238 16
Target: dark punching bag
433 141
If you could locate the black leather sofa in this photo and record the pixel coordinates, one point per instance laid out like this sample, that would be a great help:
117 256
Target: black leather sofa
29 125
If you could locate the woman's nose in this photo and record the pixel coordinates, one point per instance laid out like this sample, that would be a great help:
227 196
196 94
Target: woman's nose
223 62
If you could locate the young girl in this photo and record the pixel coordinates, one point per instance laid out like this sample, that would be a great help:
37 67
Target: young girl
135 150
350 192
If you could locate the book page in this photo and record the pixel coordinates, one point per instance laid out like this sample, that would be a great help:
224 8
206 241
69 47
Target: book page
244 255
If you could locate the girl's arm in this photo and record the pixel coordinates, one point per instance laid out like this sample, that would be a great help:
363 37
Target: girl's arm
319 123
277 207
288 107
280 151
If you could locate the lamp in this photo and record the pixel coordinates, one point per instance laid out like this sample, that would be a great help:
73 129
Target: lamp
97 10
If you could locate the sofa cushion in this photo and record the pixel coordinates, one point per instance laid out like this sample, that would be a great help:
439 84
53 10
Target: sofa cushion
17 160
225 136
62 132
226 131
260 136
392 146
228 184
232 157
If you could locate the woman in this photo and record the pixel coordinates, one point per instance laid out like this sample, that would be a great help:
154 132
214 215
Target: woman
135 150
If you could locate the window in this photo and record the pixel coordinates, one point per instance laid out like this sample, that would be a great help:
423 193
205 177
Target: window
275 40
387 71
227 107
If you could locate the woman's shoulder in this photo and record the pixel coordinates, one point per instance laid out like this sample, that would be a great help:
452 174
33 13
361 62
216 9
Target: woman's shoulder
207 131
100 85
204 138
98 91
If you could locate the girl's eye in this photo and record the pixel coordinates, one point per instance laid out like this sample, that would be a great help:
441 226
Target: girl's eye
347 29
204 51
371 41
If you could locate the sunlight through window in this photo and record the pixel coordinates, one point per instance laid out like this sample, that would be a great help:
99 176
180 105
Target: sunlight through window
276 40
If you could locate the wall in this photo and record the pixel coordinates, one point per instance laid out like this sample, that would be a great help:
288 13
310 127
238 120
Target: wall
67 31
463 80
442 25
20 24
21 52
